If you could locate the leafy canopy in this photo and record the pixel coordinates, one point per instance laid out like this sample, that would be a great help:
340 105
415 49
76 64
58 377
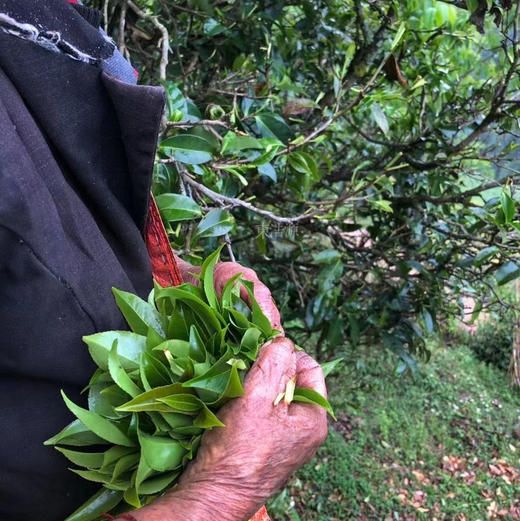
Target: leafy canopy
361 155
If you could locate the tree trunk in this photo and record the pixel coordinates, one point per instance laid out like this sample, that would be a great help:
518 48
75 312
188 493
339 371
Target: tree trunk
514 366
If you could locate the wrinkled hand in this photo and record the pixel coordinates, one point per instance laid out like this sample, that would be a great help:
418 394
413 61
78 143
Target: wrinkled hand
241 465
223 272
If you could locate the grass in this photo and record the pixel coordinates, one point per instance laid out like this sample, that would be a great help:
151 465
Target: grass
443 445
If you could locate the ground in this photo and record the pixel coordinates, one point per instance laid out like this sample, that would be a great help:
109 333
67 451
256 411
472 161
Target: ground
443 445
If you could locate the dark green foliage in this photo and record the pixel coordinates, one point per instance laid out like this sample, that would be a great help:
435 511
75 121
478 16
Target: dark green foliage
493 340
360 155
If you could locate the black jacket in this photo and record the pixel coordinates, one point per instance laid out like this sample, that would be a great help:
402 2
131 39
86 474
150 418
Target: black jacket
76 159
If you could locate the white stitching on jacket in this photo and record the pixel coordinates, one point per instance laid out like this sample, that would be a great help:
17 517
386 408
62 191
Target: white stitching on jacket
50 40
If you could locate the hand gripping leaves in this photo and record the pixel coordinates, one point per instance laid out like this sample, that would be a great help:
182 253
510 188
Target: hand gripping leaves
159 386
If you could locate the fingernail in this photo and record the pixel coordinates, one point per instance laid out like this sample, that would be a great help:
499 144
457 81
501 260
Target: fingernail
278 399
289 390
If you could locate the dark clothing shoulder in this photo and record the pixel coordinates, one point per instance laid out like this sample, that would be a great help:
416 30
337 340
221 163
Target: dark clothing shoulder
77 148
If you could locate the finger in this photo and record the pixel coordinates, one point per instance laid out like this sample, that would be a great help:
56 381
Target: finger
274 367
309 373
225 270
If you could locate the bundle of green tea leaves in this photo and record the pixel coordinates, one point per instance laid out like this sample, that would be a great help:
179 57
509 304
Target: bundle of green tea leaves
158 387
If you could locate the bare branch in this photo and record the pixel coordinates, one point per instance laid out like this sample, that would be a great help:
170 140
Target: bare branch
234 202
200 123
165 36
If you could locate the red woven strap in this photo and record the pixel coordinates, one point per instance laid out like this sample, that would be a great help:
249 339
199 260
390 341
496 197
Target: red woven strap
164 266
261 515
166 272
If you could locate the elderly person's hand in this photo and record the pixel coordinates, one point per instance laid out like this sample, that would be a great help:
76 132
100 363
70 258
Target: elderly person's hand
240 465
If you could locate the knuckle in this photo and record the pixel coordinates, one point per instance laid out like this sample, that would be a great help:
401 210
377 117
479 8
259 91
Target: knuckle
322 431
248 273
307 362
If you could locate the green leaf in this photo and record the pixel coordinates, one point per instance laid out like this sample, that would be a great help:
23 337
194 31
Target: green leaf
249 344
94 475
148 401
484 255
380 118
507 272
75 434
98 425
233 143
398 36
177 207
131 495
207 419
90 460
138 313
268 170
381 204
183 403
178 348
101 502
161 453
103 398
230 287
153 338
472 5
304 163
258 317
119 375
508 207
130 346
273 125
302 394
144 471
189 149
327 256
177 327
428 321
215 224
113 455
212 27
216 378
328 367
157 483
156 372
197 349
211 319
207 276
233 388
124 464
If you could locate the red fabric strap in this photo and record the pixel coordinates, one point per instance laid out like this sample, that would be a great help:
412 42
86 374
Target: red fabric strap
164 266
261 515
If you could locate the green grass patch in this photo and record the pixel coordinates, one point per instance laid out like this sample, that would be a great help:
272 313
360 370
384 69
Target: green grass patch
443 444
